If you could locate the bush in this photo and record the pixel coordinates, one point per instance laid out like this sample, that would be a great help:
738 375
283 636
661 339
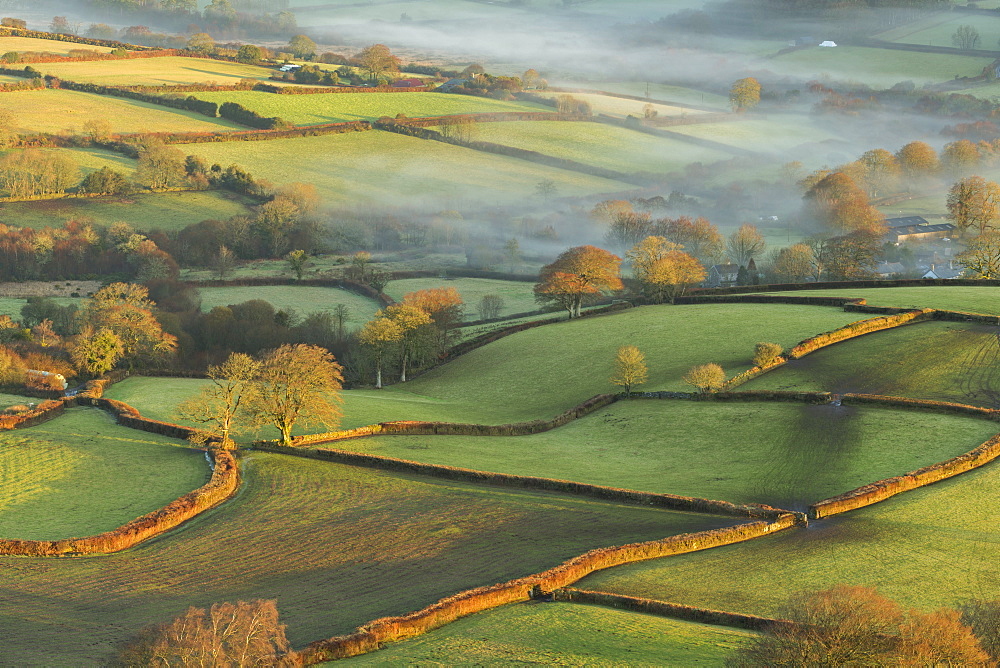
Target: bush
765 354
706 377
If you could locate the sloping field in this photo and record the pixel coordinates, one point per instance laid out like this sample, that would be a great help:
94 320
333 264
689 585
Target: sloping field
81 474
937 30
15 399
303 299
773 135
391 168
966 298
155 71
598 144
543 371
942 361
22 44
338 107
337 546
877 67
144 211
785 455
517 295
12 305
562 634
56 110
90 160
622 107
935 546
664 92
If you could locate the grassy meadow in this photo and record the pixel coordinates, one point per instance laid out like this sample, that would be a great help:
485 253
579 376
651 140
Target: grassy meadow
82 474
770 135
518 296
144 211
385 167
622 107
55 111
785 455
660 91
944 361
598 144
935 546
562 634
22 44
302 299
12 305
937 30
338 107
336 545
167 70
543 371
965 298
15 400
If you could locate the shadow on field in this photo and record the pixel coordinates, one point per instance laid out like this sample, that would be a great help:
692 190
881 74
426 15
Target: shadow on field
979 378
807 456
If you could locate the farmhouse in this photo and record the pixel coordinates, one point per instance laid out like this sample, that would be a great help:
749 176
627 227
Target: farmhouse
722 275
920 232
939 271
407 83
889 269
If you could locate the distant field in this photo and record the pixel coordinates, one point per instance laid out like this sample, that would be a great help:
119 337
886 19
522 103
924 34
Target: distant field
967 298
544 371
81 474
336 545
663 92
163 211
518 296
91 160
393 169
21 44
944 361
936 546
12 306
929 206
937 30
877 67
769 135
598 144
621 107
303 299
57 110
562 634
337 107
155 71
15 399
785 455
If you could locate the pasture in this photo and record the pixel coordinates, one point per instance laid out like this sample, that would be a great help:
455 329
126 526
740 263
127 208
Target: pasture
389 168
338 107
935 546
12 305
543 371
622 107
22 44
785 455
354 545
660 91
773 135
81 474
144 211
944 361
167 70
517 295
937 30
600 145
15 399
56 111
966 298
876 67
303 299
562 634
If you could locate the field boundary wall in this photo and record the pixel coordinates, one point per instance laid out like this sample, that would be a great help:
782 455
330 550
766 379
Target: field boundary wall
666 609
372 635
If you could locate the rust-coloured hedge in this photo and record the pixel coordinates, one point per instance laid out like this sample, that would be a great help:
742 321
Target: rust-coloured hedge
664 609
853 399
372 635
858 328
883 489
43 412
223 484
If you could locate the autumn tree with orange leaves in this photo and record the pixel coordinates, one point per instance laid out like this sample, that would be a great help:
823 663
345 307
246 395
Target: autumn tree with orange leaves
125 310
444 306
578 275
838 203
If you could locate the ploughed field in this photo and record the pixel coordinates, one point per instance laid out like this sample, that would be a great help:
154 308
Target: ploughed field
336 545
562 634
81 474
782 454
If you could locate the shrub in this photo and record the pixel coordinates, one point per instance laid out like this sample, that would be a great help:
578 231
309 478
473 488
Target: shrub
706 377
765 353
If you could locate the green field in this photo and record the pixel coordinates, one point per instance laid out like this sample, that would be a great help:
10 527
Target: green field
785 455
562 634
876 67
543 371
935 546
155 71
389 168
336 545
22 44
772 135
91 160
926 205
55 111
337 107
12 305
518 296
81 474
943 361
965 298
667 92
598 144
622 107
303 299
15 400
164 211
937 30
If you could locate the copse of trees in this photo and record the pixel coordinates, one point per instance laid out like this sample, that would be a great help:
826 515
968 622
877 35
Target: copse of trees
579 275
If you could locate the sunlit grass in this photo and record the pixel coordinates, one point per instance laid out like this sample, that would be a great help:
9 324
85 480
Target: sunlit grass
302 299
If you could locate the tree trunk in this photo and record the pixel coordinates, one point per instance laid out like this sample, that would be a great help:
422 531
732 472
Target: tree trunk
402 374
378 377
